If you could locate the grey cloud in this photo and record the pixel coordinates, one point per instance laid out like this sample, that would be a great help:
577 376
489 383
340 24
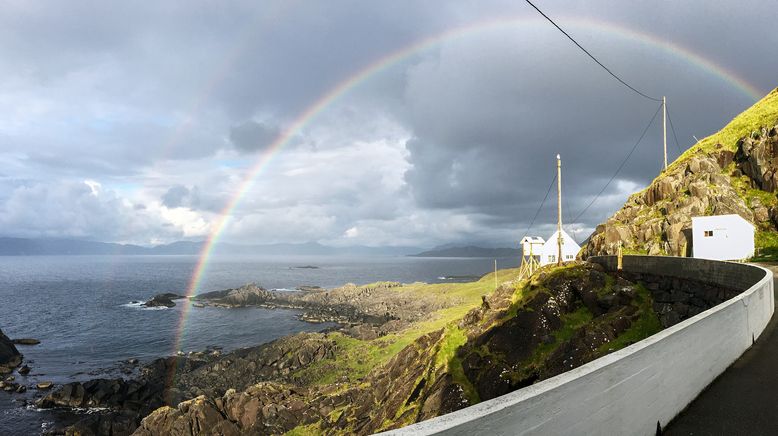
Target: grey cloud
143 94
253 136
181 196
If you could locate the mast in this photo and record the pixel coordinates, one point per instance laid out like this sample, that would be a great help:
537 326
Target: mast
559 208
664 128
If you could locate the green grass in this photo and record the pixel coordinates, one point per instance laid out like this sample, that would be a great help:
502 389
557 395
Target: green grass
305 430
766 244
454 337
763 113
610 282
571 322
751 195
355 357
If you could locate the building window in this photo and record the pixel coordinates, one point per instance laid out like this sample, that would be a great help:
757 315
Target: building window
708 233
552 258
569 257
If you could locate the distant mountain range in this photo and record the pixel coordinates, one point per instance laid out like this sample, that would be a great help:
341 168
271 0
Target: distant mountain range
38 247
469 251
63 247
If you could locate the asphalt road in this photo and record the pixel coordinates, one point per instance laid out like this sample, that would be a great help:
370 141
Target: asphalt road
744 399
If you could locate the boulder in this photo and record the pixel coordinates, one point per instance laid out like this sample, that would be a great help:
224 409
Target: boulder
662 188
698 189
724 158
676 237
615 233
761 214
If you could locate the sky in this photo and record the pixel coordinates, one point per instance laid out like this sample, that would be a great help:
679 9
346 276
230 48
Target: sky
381 123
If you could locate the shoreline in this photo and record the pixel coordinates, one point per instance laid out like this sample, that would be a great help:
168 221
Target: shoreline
352 308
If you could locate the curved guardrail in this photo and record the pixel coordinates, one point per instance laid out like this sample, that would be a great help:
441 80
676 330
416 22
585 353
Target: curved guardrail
636 389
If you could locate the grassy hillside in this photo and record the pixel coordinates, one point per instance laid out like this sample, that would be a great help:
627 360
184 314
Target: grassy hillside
462 355
357 357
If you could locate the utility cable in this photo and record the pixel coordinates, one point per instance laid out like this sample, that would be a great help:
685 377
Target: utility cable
526 232
590 55
642 135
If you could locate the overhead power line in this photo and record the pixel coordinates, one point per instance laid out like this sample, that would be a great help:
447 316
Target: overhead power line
591 55
642 135
537 212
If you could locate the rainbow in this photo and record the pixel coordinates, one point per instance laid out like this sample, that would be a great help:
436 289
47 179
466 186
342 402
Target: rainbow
405 53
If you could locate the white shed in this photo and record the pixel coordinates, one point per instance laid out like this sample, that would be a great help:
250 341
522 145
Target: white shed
570 249
532 244
722 237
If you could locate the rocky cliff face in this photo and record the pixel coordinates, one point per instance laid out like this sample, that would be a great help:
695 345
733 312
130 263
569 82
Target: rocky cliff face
720 176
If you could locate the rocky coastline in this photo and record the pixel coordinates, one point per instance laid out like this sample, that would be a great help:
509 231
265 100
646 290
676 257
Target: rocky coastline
119 404
400 354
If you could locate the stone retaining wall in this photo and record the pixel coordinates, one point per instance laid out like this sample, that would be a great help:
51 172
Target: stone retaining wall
634 390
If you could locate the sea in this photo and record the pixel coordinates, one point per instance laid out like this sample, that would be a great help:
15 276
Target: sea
85 310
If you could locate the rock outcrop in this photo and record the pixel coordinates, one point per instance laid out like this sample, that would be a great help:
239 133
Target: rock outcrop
121 403
10 357
375 304
163 300
657 220
756 157
248 295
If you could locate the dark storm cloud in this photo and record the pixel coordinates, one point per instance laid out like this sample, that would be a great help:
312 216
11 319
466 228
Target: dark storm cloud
252 136
490 116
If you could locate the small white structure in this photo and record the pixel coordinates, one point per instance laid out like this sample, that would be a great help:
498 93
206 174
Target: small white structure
722 237
550 250
533 245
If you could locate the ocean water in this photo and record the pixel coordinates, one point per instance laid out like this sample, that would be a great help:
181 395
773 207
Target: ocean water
81 309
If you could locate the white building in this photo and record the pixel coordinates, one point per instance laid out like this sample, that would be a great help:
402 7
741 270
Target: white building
550 250
533 245
722 237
